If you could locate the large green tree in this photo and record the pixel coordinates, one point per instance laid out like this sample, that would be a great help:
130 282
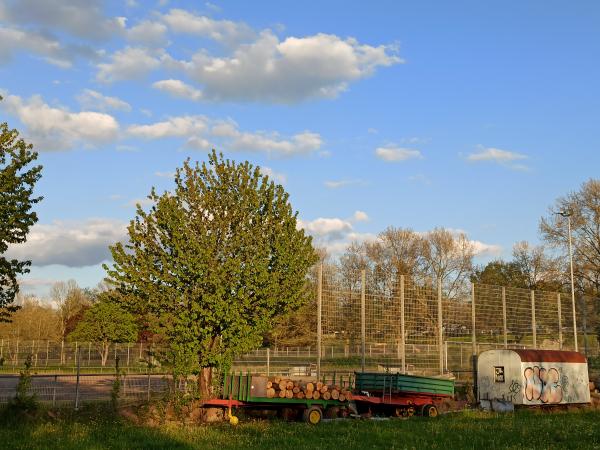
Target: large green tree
105 323
214 262
17 180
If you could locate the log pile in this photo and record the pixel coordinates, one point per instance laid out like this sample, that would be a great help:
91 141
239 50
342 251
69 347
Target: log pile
285 388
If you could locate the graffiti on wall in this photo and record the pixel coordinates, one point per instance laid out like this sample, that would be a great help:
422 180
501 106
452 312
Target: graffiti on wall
543 384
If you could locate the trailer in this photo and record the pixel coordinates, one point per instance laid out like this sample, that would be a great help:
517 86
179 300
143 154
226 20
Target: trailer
531 378
249 392
399 394
373 393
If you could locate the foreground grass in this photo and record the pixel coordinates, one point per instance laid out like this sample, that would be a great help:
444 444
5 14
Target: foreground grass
469 430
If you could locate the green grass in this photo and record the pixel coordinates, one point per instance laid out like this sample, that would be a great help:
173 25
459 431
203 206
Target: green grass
97 429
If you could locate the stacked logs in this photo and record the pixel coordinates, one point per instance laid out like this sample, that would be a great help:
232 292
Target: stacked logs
285 388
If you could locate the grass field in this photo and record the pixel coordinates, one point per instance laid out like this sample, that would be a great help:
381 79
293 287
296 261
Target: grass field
471 430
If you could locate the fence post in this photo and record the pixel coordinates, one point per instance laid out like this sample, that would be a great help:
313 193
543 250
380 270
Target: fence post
268 361
440 325
78 357
319 312
533 323
473 341
54 391
128 346
62 352
363 329
504 325
560 336
585 337
16 359
402 330
47 351
574 320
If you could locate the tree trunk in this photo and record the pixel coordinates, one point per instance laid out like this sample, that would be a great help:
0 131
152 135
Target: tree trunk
205 382
104 353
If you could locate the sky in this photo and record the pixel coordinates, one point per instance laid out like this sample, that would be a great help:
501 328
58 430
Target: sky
469 115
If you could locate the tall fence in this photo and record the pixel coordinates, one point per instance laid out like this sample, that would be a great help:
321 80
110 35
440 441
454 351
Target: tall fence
371 322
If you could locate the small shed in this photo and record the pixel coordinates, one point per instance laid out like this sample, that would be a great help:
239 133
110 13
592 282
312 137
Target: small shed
532 377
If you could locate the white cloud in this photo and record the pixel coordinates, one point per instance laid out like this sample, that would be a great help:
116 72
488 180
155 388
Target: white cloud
80 18
165 174
53 128
91 99
148 32
326 228
336 184
225 31
395 154
73 244
13 40
361 216
129 63
420 178
483 249
201 133
496 155
287 71
277 177
178 88
183 126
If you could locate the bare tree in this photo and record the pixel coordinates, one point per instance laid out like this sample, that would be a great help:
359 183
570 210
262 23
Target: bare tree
448 257
538 268
584 207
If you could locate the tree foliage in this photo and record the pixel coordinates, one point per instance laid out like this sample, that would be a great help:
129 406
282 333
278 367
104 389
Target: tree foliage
214 262
105 323
17 181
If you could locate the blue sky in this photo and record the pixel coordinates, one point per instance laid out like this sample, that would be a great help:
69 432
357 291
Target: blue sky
468 115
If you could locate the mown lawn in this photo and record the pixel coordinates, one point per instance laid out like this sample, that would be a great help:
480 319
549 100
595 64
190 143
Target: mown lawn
474 430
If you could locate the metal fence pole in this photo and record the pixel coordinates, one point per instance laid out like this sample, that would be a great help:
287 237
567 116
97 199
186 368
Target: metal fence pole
473 341
585 337
574 320
504 325
54 391
440 326
268 361
402 330
78 357
533 323
363 329
560 336
47 351
319 315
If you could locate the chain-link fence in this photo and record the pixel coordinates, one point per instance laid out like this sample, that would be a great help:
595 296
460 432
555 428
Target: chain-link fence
366 322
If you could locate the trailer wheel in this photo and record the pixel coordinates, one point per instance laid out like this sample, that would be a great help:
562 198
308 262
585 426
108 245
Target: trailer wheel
429 411
312 415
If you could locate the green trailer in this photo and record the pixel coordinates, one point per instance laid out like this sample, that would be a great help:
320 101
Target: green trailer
250 392
401 394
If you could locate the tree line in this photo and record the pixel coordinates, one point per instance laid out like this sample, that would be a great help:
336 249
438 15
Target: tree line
218 265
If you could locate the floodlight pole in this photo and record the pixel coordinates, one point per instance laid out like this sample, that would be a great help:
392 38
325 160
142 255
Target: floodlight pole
568 214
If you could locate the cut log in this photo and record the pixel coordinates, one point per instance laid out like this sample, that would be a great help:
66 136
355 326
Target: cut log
310 387
300 395
348 395
283 385
342 398
324 389
316 395
269 384
290 385
319 385
296 389
326 395
270 393
308 394
282 393
289 394
335 394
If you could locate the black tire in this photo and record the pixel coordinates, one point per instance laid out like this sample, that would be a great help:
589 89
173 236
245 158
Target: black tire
312 415
429 411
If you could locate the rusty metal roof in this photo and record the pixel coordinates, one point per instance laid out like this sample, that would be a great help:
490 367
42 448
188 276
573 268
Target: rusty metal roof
549 356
